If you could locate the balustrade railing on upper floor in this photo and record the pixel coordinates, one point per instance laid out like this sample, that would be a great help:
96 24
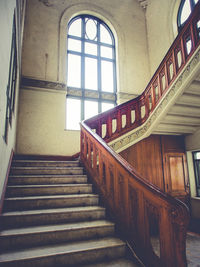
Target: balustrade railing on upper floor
153 223
127 116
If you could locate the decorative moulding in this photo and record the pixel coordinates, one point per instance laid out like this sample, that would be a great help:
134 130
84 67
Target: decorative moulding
27 82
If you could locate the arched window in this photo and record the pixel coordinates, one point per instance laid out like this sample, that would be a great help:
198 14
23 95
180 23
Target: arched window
185 9
91 69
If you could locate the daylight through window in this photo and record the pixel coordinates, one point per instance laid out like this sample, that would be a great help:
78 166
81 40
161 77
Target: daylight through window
91 69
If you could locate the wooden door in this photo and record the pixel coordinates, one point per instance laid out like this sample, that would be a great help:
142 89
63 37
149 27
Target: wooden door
176 175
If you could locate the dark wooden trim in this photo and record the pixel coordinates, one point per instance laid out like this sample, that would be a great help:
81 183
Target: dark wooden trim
6 181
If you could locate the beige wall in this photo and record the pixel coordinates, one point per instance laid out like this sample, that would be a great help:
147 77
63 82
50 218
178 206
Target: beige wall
41 125
42 131
6 22
161 20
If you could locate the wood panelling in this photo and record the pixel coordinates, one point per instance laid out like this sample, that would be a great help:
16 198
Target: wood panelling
146 158
162 161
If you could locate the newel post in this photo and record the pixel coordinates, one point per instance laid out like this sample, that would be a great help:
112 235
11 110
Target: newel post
173 228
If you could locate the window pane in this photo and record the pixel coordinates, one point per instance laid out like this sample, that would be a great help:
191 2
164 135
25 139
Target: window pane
186 10
74 45
74 71
91 108
106 52
197 155
90 73
106 106
91 49
105 35
73 114
107 76
91 29
75 28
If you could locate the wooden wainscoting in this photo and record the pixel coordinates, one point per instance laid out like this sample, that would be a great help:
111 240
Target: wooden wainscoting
161 160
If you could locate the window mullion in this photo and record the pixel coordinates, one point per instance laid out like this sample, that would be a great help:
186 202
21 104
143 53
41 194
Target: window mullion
99 65
83 69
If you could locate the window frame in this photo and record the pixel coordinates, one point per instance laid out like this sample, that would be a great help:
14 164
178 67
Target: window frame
11 86
81 92
196 172
192 6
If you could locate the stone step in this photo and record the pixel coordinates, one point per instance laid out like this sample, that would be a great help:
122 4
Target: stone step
52 234
75 253
45 170
51 189
48 202
47 179
124 262
15 219
42 163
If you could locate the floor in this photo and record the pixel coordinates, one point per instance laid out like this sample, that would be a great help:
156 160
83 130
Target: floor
192 248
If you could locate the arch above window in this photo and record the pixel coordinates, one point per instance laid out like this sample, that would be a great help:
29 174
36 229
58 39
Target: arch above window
91 66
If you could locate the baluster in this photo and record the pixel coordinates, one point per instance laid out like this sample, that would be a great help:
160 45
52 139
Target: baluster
109 126
192 37
89 153
183 50
119 121
128 116
174 63
137 113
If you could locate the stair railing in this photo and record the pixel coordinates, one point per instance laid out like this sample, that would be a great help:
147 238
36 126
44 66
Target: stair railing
128 116
153 223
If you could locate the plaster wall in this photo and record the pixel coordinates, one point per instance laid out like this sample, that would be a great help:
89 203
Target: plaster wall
161 17
41 123
44 58
6 22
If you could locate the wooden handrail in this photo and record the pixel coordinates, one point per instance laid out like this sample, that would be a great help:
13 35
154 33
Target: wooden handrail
129 115
142 211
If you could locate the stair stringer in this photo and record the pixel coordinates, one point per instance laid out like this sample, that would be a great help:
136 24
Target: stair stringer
180 84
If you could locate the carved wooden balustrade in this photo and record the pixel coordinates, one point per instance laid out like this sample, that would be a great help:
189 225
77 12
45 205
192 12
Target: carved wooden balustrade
142 211
127 116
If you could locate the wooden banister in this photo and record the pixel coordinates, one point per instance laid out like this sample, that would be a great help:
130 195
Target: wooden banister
152 222
136 111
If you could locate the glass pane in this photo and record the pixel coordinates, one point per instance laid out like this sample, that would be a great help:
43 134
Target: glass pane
186 10
73 114
91 29
75 28
106 52
197 155
105 35
189 46
106 106
91 108
107 76
74 45
74 71
90 73
91 49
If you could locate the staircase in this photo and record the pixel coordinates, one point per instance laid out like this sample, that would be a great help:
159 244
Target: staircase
52 217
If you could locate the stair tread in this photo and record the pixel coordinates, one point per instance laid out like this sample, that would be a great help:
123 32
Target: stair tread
47 167
44 161
51 197
50 211
49 176
59 249
48 185
48 228
114 263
